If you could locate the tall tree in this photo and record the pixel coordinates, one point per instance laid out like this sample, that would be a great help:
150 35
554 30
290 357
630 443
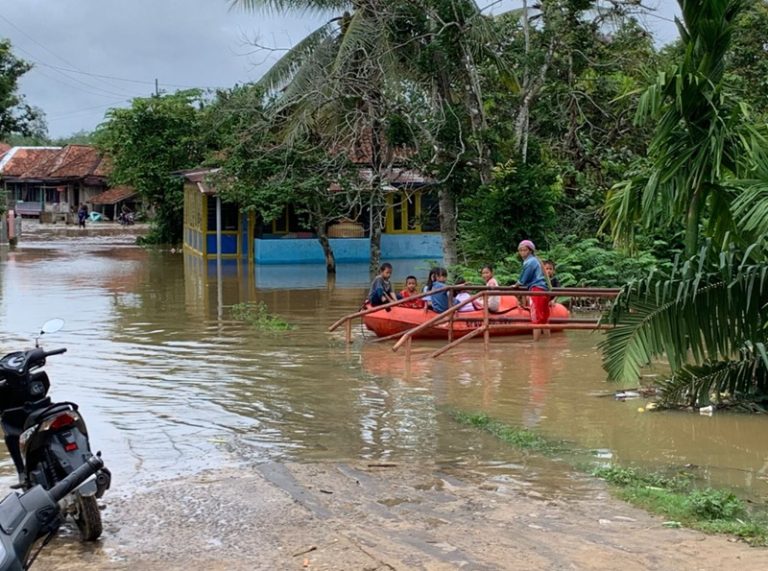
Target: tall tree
354 77
702 135
147 142
262 173
16 116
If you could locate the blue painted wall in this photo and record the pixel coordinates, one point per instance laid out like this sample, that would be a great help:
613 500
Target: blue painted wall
346 250
228 244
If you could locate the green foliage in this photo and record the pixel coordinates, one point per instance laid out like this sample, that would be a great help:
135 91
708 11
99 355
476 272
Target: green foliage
712 504
82 137
263 173
257 315
519 203
628 476
592 263
747 62
580 263
149 141
16 116
707 315
709 510
702 136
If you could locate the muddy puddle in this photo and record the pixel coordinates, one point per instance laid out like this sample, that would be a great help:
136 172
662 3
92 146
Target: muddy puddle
170 385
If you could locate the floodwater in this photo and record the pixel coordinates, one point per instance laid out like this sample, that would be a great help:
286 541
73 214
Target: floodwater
169 384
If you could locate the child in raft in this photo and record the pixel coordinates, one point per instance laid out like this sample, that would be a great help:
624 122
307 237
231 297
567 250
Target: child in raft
410 290
463 296
532 278
494 301
381 288
549 269
428 286
440 292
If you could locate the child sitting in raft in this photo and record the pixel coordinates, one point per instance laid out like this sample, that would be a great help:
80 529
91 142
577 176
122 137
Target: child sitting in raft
410 290
532 278
494 301
440 292
381 288
428 286
549 269
462 296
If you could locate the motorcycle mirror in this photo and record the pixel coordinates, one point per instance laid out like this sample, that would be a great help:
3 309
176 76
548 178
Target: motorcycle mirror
52 326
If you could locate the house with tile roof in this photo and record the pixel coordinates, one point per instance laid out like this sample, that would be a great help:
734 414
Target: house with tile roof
49 181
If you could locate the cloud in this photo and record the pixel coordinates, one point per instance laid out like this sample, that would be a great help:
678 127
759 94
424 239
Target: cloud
90 56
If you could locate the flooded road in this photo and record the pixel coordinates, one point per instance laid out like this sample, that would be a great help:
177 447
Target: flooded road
169 388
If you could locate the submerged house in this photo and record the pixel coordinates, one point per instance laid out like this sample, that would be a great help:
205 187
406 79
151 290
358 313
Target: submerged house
46 182
412 227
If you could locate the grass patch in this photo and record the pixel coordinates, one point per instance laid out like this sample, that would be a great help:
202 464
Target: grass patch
710 510
675 497
258 316
521 438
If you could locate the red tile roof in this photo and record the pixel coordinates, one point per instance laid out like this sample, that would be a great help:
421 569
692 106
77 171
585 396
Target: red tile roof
113 195
3 148
75 161
22 159
72 161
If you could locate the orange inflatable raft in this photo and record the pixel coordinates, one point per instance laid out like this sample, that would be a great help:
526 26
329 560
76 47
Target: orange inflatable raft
506 321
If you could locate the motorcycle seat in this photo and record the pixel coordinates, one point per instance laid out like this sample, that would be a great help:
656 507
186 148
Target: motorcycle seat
41 413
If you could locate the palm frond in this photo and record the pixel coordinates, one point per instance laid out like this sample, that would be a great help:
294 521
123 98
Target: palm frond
744 377
705 310
302 55
292 5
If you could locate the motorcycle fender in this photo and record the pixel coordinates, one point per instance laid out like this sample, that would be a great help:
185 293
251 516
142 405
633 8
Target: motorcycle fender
87 489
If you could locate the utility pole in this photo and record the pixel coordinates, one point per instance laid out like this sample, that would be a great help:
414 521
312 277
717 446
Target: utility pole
157 89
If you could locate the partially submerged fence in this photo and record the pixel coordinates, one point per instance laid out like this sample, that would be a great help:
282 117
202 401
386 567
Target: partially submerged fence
492 323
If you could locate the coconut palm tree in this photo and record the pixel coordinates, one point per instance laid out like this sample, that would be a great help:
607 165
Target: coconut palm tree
707 317
350 76
702 136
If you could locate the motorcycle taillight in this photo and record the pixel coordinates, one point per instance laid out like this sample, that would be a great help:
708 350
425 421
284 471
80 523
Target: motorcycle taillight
61 421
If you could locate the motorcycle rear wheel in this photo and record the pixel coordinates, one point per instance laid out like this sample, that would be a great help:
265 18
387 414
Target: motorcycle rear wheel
88 518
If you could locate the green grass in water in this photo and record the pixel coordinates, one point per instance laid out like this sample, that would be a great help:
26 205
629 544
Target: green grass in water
258 316
673 497
521 438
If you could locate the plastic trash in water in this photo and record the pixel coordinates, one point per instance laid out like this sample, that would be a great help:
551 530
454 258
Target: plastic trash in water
708 410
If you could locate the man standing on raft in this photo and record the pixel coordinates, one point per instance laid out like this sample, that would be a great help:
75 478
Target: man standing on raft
532 278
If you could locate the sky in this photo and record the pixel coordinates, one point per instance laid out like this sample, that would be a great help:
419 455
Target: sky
91 55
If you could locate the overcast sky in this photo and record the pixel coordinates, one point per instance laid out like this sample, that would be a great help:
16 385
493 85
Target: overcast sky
91 55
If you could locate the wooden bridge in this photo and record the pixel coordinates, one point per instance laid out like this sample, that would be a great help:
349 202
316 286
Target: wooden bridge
492 323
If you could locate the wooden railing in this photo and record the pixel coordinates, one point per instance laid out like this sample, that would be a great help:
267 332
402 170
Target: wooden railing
452 314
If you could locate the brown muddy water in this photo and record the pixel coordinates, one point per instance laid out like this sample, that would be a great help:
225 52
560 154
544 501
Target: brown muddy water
169 387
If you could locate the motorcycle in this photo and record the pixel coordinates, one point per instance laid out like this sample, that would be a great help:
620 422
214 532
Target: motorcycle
35 514
48 440
126 218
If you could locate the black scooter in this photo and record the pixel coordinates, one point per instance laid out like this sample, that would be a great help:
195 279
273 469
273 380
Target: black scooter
26 518
48 440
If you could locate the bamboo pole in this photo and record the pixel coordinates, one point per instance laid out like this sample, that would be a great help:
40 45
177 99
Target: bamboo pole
486 324
453 344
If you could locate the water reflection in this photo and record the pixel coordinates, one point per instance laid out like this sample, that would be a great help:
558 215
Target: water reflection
168 387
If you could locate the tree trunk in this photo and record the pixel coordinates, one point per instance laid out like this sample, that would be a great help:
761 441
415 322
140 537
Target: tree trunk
378 212
692 224
448 227
325 244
